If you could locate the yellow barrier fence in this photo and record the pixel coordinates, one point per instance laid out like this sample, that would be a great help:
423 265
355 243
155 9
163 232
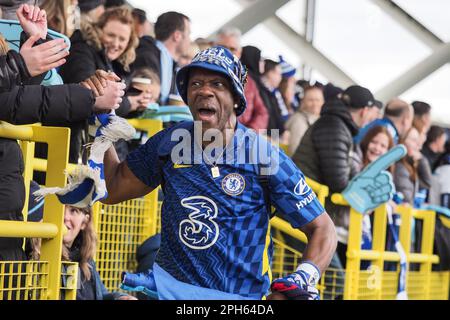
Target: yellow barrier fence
376 283
121 228
286 259
38 279
351 283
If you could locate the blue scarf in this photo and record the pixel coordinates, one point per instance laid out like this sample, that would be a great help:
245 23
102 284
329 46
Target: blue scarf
86 184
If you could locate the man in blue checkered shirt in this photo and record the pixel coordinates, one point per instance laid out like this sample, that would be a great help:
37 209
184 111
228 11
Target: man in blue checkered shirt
219 181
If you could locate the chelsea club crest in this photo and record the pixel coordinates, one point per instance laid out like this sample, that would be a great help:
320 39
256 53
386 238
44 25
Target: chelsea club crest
233 184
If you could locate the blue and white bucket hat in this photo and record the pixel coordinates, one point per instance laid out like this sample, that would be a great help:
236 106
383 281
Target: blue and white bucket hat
218 59
287 70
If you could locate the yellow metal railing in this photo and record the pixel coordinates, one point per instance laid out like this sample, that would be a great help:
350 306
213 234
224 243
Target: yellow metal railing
285 227
376 283
121 228
69 273
24 280
37 279
150 126
286 259
19 229
41 165
321 190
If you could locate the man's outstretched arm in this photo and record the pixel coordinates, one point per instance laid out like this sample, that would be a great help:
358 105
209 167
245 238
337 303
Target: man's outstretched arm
299 205
121 183
322 241
301 285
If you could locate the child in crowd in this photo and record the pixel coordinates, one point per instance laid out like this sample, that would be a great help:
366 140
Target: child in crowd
79 245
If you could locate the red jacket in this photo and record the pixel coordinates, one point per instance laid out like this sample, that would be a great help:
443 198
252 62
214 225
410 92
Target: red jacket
255 115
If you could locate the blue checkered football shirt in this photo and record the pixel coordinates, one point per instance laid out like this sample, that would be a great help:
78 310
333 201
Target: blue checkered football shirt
215 231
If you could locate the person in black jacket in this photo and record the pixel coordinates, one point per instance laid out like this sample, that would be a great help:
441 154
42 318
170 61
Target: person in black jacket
148 55
326 152
25 104
434 146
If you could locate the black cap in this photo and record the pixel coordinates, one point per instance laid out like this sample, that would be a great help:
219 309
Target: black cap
88 5
358 97
330 91
114 3
378 104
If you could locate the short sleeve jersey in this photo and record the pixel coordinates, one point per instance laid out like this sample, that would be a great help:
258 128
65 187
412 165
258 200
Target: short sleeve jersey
215 230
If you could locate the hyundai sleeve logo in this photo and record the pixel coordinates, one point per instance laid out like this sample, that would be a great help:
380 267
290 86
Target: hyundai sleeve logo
302 188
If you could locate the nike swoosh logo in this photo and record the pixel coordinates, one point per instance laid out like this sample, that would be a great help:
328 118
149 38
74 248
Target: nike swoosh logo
179 166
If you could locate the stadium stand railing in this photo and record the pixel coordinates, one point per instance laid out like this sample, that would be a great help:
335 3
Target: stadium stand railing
286 259
39 280
379 284
123 227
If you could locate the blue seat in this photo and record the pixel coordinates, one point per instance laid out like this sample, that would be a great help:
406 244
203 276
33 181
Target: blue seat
11 30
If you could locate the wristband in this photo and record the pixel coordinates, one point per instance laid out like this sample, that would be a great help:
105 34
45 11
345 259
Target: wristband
311 270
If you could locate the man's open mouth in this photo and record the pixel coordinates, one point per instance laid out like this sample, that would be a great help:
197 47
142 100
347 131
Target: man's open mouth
206 113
